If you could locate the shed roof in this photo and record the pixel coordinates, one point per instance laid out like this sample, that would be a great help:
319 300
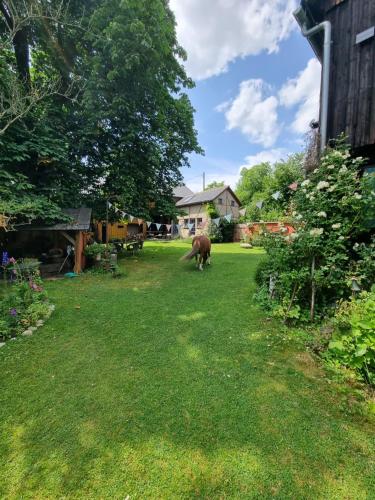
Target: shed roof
182 191
81 219
205 197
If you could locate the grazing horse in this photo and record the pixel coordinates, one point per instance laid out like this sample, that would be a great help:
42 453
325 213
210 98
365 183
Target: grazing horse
202 248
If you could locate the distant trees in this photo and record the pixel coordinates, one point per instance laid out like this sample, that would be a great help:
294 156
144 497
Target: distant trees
257 185
92 101
214 184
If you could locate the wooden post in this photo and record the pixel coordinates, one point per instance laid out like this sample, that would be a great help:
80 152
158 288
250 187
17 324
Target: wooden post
107 229
78 249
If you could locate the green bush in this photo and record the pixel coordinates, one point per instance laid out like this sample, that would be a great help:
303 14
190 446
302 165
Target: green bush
23 305
314 267
227 230
353 345
214 233
97 249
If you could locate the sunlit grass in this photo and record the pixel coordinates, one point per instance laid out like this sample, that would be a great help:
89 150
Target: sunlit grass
166 384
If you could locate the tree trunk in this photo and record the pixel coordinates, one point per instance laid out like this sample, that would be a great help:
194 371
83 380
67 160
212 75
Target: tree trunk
20 45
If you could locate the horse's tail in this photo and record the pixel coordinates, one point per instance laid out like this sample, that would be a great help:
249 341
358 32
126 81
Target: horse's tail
194 251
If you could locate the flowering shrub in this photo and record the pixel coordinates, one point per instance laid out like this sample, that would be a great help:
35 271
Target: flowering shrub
331 249
25 305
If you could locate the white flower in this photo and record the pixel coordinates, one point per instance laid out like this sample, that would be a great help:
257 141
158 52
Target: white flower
317 231
294 236
355 246
358 196
332 188
338 154
341 238
299 216
322 214
336 226
331 167
315 171
305 183
343 170
322 185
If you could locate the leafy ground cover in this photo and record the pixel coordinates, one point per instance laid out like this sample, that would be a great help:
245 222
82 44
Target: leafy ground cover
171 383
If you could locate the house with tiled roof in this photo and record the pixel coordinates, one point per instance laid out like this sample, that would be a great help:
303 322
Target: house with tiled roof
193 207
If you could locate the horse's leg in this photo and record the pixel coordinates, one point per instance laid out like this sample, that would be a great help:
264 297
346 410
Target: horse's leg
196 260
208 258
200 262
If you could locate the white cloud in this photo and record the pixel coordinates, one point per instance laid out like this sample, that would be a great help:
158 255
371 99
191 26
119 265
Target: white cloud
253 113
304 92
216 32
270 155
256 113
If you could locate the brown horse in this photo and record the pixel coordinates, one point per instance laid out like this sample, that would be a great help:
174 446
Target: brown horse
202 248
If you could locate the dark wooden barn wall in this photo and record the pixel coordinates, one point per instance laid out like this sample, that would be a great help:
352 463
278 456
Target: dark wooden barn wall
352 91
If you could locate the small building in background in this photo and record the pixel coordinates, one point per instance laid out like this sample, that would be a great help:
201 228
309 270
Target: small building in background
194 206
119 230
181 192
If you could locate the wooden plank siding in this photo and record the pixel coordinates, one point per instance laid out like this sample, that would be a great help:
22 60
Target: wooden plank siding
352 82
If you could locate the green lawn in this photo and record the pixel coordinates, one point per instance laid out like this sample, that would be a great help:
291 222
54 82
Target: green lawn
168 384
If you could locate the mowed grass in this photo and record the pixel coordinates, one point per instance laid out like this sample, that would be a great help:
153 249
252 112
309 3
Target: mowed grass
167 384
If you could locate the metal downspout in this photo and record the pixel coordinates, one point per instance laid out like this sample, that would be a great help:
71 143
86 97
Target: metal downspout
327 27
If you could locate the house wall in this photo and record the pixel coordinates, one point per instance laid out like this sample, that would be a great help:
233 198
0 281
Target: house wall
195 212
352 78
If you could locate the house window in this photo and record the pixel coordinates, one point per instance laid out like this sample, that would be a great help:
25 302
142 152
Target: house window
199 223
186 222
232 204
192 230
220 201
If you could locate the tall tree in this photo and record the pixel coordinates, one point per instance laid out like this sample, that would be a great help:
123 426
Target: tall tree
122 134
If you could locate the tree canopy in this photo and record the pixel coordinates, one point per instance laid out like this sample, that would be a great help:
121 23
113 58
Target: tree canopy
93 103
214 184
257 184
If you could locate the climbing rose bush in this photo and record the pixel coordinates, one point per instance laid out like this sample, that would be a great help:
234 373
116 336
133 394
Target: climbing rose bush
313 268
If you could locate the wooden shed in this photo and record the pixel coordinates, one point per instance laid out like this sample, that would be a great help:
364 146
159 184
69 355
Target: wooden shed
118 230
351 107
51 244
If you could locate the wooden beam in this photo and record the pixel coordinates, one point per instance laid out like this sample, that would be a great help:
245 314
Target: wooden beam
69 238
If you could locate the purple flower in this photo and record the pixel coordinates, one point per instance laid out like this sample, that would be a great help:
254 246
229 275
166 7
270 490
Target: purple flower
13 312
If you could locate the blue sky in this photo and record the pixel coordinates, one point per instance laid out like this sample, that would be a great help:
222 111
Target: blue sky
257 83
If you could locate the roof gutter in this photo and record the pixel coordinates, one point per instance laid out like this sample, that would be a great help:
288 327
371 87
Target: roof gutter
301 18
